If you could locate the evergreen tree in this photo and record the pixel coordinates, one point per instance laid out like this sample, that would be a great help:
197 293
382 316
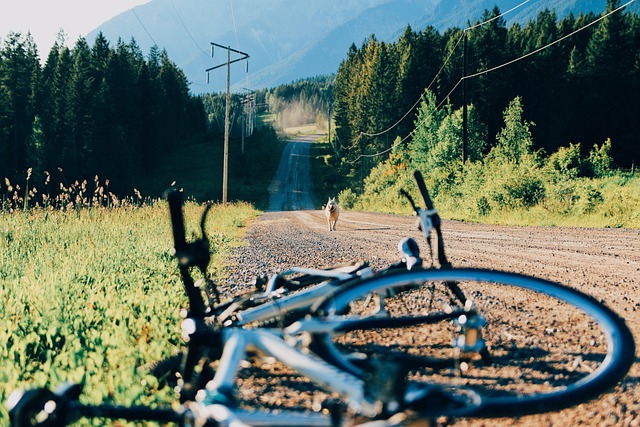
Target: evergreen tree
19 74
514 141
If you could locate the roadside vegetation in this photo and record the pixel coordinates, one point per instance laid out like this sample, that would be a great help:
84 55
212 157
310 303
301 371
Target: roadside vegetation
549 142
92 293
512 183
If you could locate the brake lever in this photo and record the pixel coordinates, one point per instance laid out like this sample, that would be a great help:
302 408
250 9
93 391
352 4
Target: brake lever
428 218
425 222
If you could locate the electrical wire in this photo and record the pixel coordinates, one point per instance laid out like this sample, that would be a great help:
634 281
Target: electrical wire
145 28
480 24
491 70
186 29
419 99
487 71
443 66
235 29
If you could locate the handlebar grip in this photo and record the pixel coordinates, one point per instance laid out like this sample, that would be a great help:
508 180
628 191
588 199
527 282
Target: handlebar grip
423 189
174 197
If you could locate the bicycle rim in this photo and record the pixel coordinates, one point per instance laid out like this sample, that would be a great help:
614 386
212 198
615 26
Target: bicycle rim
550 346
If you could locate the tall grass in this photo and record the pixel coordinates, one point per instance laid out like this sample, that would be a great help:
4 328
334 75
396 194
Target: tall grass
92 294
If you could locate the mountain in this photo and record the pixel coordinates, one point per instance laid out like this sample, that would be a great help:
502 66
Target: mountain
288 40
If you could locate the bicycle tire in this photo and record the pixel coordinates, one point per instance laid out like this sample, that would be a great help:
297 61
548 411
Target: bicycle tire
608 353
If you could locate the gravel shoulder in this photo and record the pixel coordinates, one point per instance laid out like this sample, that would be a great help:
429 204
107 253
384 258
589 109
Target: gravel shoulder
604 263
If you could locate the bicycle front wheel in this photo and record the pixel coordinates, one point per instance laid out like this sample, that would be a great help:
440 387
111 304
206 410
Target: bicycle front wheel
547 346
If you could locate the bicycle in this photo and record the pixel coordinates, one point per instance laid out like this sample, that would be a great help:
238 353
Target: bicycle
380 380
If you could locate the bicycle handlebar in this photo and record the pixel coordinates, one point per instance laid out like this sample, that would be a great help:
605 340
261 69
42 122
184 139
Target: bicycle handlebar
423 190
429 218
177 219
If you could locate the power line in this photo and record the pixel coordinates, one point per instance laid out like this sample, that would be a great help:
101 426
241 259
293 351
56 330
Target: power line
235 29
419 99
187 30
480 24
145 28
443 66
491 70
550 44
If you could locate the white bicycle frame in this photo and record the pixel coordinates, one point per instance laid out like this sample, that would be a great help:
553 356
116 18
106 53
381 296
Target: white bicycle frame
278 306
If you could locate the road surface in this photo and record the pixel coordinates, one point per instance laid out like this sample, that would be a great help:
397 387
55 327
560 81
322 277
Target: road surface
291 189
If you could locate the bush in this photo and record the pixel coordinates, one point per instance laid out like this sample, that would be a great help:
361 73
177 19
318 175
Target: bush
600 159
347 198
565 163
589 198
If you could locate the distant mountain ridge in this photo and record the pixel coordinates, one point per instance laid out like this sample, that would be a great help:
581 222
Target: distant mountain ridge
288 40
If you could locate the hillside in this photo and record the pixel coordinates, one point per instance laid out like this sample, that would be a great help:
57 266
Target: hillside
290 39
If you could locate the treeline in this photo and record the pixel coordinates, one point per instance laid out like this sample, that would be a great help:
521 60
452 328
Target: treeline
90 110
301 102
298 103
580 90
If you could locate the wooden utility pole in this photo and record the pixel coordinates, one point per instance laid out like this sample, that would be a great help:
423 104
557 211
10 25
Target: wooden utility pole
225 162
465 135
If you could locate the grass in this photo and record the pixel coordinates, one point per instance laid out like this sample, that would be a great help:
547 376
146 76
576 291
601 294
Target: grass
90 295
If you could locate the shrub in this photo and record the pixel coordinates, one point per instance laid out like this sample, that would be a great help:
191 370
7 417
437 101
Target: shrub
600 160
347 198
589 198
566 162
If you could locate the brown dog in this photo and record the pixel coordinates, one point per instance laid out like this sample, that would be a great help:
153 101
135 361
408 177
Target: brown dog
332 212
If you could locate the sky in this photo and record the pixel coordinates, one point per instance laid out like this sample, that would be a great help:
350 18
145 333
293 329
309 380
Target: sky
45 18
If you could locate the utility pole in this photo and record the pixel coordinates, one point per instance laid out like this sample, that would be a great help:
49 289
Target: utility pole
225 167
465 135
248 102
329 126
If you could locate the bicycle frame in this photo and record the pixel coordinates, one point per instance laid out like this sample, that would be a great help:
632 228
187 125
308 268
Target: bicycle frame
277 306
359 396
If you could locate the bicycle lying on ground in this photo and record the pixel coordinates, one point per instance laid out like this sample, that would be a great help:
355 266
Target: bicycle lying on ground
416 341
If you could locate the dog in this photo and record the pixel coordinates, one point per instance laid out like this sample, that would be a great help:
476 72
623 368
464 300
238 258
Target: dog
332 212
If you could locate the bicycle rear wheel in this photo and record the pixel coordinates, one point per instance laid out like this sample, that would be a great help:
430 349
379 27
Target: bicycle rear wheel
550 346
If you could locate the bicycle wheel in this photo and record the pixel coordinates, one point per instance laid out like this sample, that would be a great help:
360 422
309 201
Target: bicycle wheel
550 346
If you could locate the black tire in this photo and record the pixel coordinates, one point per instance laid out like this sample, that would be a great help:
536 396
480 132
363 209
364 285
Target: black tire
584 349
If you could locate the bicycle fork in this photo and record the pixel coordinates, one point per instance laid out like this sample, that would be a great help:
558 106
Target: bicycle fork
239 341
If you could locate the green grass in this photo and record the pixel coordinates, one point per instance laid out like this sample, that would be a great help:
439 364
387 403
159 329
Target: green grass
94 294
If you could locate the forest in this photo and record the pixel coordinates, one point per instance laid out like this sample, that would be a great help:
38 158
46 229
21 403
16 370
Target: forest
90 111
578 79
113 113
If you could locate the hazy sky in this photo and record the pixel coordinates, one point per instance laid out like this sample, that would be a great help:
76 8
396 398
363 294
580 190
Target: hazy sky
45 18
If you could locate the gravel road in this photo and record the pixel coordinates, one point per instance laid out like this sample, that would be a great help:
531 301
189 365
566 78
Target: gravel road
604 263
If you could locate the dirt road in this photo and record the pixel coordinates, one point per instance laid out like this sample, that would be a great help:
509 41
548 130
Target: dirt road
291 189
604 263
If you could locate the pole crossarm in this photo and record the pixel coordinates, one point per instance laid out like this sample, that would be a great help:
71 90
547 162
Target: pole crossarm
225 166
225 64
229 48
